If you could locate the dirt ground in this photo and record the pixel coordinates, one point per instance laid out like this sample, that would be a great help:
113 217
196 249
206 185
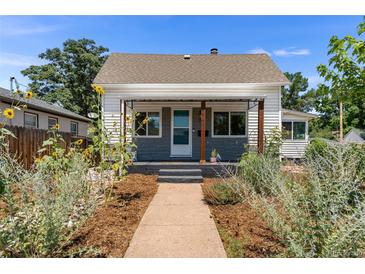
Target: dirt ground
243 232
111 228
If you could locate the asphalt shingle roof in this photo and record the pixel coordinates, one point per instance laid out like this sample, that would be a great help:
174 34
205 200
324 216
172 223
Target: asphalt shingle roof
121 68
8 97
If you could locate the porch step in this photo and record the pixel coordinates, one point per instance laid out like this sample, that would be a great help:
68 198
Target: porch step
174 175
180 171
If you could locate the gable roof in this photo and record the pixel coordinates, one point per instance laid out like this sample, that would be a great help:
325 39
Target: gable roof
122 68
355 135
8 97
299 113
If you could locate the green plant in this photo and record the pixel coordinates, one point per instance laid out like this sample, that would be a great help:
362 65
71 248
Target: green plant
273 142
214 153
221 193
50 205
234 247
322 216
259 172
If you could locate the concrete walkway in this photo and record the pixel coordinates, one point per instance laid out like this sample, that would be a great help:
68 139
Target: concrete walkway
176 224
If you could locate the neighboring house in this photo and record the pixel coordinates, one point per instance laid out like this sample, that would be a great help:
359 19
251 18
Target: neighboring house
42 115
197 103
355 135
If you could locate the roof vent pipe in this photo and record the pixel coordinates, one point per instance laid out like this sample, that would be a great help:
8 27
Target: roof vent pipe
187 56
214 51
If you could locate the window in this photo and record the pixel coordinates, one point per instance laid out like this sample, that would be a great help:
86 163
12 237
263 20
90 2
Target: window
151 127
74 129
294 130
229 123
286 128
52 121
30 120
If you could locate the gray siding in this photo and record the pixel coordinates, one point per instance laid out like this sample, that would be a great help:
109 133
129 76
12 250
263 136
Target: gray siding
158 149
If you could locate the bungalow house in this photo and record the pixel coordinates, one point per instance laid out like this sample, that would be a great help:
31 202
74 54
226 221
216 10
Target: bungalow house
42 115
199 102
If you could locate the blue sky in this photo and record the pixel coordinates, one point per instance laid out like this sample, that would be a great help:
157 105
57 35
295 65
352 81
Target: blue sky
296 43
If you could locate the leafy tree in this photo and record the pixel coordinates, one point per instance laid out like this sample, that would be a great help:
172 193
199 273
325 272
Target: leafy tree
68 73
296 96
345 76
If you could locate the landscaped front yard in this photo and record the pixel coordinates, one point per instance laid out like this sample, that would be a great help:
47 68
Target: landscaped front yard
243 232
110 229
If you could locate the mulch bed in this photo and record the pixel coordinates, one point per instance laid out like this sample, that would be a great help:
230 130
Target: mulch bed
112 226
242 224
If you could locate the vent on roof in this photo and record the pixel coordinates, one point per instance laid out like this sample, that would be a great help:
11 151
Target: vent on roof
214 51
187 56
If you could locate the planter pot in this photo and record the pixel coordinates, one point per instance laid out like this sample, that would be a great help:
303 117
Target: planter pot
213 160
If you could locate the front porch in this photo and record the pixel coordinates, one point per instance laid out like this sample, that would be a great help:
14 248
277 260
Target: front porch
188 130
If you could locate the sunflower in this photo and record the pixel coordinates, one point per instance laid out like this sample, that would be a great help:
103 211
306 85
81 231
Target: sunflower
115 166
79 142
9 113
18 91
37 160
56 126
145 120
28 95
98 89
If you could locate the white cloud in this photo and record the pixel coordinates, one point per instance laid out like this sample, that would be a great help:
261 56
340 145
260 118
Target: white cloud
18 60
259 51
291 51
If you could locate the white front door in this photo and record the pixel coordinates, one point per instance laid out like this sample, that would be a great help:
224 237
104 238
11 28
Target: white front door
181 133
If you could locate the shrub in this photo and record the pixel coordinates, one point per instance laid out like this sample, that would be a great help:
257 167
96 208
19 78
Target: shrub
259 172
324 215
50 205
221 193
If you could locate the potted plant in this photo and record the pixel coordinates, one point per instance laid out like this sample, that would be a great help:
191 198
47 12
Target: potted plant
213 156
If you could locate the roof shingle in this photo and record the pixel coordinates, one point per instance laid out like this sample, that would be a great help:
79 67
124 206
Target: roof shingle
122 68
34 103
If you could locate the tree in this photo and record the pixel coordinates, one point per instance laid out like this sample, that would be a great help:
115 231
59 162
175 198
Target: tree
67 76
345 75
296 96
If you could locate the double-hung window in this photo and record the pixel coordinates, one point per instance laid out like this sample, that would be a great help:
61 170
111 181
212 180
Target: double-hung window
229 123
74 128
30 120
52 121
293 130
148 124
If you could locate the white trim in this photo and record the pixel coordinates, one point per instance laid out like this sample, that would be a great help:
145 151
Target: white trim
192 85
190 109
147 110
229 123
292 130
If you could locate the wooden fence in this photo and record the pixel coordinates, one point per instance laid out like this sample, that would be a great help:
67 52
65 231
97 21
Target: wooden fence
29 140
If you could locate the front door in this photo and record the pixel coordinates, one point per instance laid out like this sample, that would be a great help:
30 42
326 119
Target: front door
181 133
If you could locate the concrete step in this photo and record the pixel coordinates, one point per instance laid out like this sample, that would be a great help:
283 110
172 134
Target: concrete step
179 179
180 172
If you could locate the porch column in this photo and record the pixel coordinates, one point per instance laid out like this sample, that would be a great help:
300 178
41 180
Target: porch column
260 126
124 119
202 132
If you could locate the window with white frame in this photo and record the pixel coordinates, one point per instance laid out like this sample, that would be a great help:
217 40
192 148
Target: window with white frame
147 124
30 120
229 123
52 121
74 128
293 130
